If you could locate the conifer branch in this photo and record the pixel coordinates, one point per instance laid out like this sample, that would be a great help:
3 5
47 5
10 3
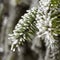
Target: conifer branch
25 29
45 20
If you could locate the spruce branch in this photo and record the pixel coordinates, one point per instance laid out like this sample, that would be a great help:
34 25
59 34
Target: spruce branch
25 29
45 19
48 23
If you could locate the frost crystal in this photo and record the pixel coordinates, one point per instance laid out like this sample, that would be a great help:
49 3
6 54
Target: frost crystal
41 22
24 25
